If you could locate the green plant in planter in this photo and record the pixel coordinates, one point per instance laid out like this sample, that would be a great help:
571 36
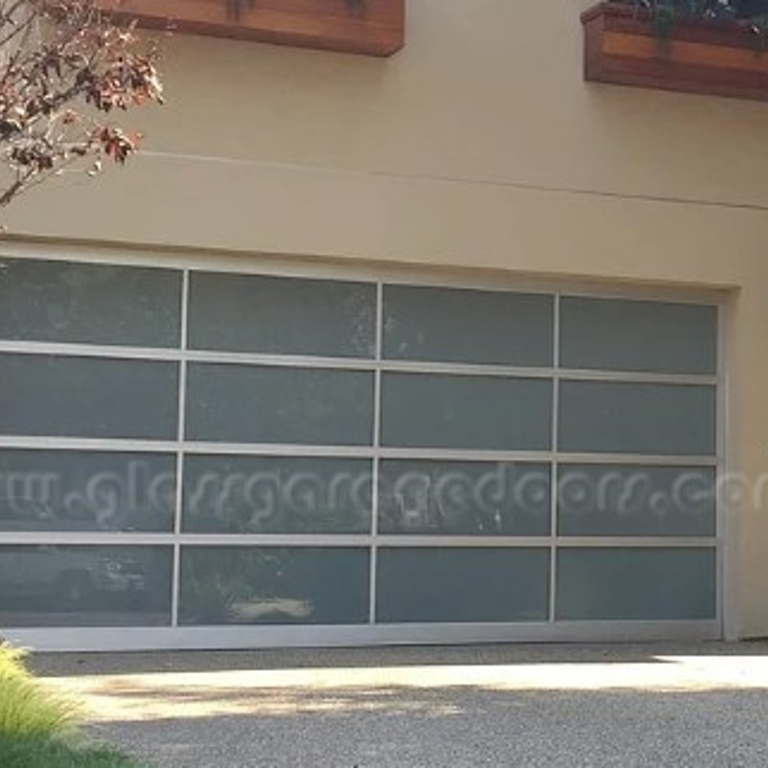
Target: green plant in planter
667 12
235 8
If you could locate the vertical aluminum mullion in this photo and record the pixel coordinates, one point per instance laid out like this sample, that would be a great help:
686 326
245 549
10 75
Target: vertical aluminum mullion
725 587
554 468
376 447
181 434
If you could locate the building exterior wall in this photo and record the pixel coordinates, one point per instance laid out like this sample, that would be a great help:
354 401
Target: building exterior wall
477 148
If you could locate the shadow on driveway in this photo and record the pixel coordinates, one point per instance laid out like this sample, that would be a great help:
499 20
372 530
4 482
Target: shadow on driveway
633 705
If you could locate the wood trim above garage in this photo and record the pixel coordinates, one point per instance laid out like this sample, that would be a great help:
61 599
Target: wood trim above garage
370 27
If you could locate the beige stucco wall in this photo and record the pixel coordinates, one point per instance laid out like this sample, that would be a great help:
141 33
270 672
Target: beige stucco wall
478 146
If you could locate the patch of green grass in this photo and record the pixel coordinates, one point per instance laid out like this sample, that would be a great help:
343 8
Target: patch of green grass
27 709
45 753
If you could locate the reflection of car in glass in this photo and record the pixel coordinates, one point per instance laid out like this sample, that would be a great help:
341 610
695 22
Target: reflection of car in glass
74 577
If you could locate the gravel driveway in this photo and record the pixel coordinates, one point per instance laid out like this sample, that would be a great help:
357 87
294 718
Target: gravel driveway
546 705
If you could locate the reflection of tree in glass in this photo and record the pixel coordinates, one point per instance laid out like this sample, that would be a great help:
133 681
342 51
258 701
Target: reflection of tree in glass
224 586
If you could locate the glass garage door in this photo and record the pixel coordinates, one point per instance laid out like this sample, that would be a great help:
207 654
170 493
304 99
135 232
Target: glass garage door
201 458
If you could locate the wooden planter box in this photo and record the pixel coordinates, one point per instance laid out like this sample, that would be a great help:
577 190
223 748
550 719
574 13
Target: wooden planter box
723 59
373 27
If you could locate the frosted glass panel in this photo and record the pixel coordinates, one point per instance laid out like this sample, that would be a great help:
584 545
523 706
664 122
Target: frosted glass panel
611 417
86 491
258 404
60 301
245 313
252 494
462 585
264 585
483 412
85 586
467 498
643 583
610 334
467 326
87 397
606 500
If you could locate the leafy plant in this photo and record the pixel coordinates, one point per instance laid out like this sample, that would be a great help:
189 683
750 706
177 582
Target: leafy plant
64 67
